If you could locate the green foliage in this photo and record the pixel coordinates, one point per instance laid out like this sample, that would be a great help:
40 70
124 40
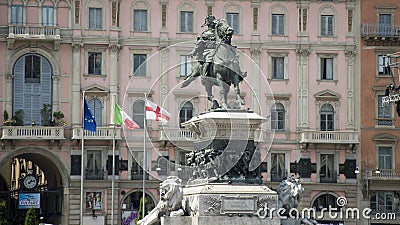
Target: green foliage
3 213
141 209
45 113
30 218
58 119
6 118
18 118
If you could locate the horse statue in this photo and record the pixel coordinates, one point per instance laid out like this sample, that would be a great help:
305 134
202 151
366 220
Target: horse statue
223 67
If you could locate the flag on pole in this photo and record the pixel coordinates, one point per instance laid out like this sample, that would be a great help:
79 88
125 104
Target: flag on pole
155 112
89 123
121 117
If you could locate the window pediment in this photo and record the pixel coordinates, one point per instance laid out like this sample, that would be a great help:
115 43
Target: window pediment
386 137
96 89
327 95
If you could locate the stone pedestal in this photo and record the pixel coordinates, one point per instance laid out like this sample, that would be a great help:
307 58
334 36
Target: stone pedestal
220 204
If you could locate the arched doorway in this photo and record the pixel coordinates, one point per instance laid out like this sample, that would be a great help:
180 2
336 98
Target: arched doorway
33 177
131 204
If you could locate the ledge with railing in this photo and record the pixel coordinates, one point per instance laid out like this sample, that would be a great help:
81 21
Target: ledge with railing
175 134
385 174
94 174
33 32
377 30
32 132
332 137
104 133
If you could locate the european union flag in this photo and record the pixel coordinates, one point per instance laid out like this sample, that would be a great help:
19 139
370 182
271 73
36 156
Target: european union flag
89 123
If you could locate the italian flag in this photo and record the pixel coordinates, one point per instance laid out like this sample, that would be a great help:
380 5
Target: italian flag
120 117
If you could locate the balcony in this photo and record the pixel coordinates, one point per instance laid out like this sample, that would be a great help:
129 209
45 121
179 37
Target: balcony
374 34
34 132
33 32
102 133
329 137
175 134
385 174
94 174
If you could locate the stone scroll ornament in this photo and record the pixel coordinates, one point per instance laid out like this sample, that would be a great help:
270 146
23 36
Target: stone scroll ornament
170 204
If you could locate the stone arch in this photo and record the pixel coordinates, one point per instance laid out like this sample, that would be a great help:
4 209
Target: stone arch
43 156
41 51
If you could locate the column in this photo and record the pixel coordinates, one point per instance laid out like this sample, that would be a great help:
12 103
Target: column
164 77
8 97
114 50
56 93
302 87
76 85
255 78
350 55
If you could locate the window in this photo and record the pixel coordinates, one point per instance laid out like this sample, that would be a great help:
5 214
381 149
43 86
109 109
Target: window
94 170
326 68
385 24
186 112
278 27
384 201
97 109
32 69
17 14
326 25
327 174
233 21
137 171
138 113
186 65
278 168
132 202
385 158
385 117
140 20
278 117
47 16
139 65
324 201
94 63
186 20
278 67
95 18
383 69
326 115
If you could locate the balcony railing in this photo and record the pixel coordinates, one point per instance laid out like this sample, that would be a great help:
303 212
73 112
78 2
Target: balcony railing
385 174
104 133
175 134
334 137
34 132
377 30
33 32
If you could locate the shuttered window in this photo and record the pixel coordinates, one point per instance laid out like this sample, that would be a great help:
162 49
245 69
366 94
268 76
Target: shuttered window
278 27
97 109
95 16
32 87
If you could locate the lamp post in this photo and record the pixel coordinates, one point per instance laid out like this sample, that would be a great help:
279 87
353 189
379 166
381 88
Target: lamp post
377 171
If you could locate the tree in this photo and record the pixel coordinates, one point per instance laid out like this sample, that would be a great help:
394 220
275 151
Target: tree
3 213
30 218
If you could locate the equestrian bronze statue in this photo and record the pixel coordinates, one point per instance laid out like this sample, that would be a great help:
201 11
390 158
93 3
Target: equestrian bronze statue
218 63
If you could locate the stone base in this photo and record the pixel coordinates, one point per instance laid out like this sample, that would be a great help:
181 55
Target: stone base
227 204
216 220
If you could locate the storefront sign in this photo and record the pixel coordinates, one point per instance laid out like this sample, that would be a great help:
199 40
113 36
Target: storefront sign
28 200
129 217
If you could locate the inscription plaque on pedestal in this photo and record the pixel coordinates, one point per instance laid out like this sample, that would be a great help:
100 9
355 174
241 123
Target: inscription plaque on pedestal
242 205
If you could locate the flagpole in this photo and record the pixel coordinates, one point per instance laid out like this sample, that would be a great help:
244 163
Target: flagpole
113 159
144 154
82 159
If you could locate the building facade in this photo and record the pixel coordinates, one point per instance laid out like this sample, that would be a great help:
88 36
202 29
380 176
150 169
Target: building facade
301 61
378 161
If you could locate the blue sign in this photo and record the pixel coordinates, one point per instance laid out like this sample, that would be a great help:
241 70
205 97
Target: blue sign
28 200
